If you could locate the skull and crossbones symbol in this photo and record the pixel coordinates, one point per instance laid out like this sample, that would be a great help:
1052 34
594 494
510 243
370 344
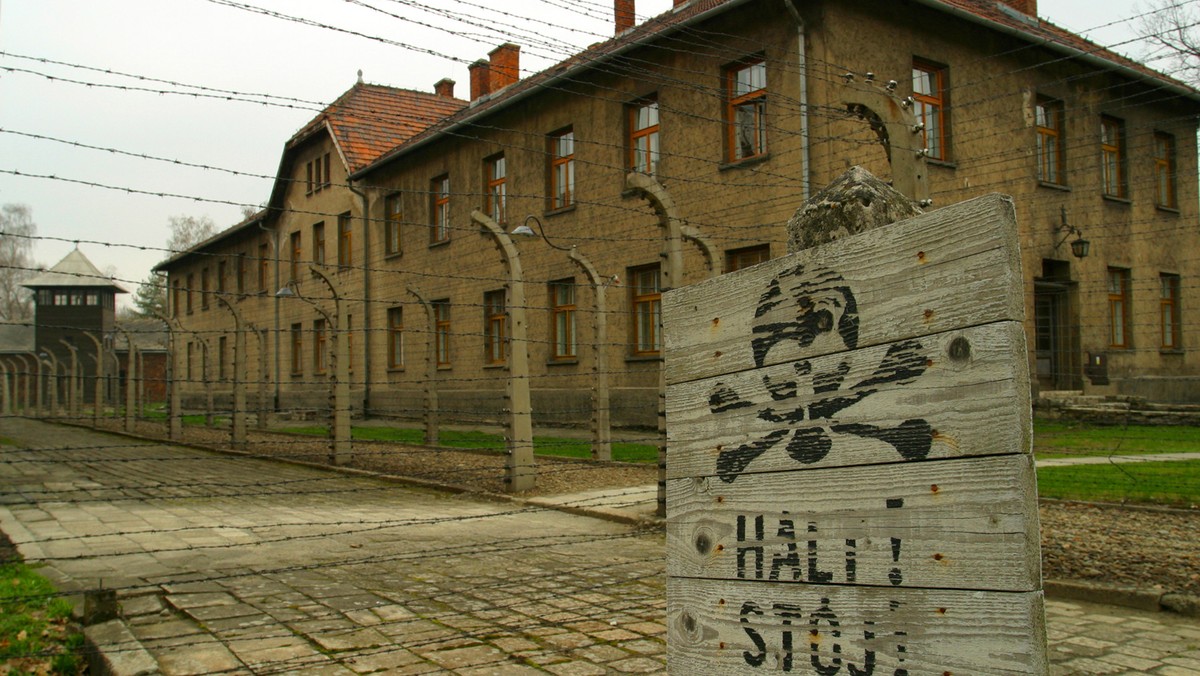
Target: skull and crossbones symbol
814 311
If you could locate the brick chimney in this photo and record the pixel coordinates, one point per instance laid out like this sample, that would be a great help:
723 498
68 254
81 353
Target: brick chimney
444 87
480 81
505 66
625 17
1027 7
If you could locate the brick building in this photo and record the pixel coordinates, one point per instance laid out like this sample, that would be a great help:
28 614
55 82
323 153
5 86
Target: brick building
736 111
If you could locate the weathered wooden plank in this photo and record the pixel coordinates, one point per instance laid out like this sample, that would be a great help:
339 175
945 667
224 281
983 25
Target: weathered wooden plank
949 269
954 394
742 627
956 524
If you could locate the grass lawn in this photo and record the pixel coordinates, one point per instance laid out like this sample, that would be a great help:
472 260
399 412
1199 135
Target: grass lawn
35 636
1065 439
566 448
1169 483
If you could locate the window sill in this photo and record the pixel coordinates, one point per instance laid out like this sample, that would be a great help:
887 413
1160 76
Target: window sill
945 164
1117 200
560 210
1171 352
495 367
1054 186
395 369
744 162
391 256
1169 210
444 367
444 242
566 361
642 357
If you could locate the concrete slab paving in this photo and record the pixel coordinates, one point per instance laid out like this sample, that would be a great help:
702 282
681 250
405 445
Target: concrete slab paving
224 570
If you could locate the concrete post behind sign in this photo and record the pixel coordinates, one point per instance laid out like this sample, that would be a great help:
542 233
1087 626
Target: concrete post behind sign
851 488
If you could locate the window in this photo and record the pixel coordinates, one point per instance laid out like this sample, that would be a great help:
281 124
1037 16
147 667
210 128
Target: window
222 349
90 298
643 136
441 328
345 241
317 173
61 298
1051 162
395 320
205 289
176 297
319 244
325 182
220 276
191 358
496 177
1164 170
241 274
308 183
320 347
562 320
494 322
191 284
264 266
1168 304
646 299
391 226
295 267
929 92
1112 156
297 349
736 259
746 109
562 169
440 207
1118 307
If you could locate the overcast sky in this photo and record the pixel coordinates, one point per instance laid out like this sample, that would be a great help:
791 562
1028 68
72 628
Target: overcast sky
219 45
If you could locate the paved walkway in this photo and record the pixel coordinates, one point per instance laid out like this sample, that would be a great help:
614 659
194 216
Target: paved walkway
1110 459
228 564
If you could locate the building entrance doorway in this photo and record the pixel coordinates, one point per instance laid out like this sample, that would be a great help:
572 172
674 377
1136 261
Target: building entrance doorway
1056 328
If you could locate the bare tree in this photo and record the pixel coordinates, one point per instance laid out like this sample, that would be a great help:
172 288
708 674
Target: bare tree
188 231
150 299
16 263
1172 27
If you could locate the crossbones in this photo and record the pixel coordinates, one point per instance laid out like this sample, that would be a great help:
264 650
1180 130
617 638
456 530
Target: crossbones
817 312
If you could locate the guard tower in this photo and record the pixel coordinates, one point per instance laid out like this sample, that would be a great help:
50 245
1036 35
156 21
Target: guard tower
68 299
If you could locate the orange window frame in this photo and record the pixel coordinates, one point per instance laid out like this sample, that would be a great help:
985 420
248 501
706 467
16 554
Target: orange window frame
753 99
643 136
496 188
931 106
1168 303
441 328
646 301
395 319
1164 170
1112 160
1118 307
320 353
393 217
319 243
1051 162
297 349
562 169
562 319
495 321
296 253
440 209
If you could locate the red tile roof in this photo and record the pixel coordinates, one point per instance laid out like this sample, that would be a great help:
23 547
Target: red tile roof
369 120
981 11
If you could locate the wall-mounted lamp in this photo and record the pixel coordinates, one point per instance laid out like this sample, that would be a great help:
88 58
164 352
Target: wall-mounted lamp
523 230
1079 246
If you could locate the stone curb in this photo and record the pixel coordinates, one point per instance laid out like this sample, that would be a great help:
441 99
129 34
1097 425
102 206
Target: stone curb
1127 597
113 650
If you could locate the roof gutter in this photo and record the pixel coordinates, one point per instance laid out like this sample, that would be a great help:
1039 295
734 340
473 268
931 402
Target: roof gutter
1087 57
566 74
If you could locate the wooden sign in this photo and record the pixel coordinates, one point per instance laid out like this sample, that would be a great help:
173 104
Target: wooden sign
850 484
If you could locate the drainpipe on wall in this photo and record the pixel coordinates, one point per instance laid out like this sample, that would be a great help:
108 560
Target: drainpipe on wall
802 67
366 314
